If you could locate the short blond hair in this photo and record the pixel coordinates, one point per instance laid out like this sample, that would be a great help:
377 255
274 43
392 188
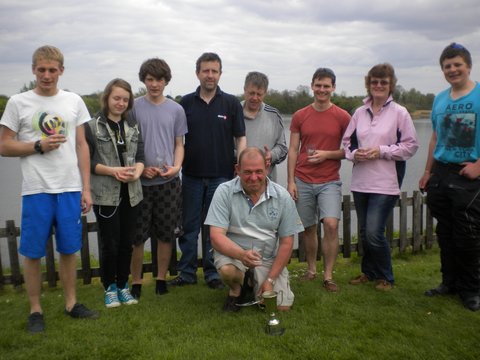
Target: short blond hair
47 52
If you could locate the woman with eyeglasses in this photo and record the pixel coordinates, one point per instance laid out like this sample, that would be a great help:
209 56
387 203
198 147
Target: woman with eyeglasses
379 139
117 161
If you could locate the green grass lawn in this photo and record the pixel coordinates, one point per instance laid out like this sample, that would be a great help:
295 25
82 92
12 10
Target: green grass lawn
188 323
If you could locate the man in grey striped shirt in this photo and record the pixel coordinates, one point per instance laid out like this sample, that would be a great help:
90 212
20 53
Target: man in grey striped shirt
263 123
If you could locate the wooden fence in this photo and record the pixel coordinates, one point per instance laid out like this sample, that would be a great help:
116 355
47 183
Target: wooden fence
413 233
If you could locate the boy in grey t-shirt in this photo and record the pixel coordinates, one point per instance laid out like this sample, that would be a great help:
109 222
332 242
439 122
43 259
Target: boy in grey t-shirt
163 125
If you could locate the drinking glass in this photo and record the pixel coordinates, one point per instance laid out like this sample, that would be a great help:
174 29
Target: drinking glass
162 163
310 149
258 247
129 161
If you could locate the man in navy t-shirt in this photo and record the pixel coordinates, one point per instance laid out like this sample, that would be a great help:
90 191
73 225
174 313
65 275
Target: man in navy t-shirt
216 132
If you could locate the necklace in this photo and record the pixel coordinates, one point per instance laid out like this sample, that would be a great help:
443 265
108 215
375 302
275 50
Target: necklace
118 134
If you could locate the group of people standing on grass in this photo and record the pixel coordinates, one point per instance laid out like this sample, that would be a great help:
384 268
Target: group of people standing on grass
126 163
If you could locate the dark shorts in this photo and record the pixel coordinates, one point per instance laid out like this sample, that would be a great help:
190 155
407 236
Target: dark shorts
160 215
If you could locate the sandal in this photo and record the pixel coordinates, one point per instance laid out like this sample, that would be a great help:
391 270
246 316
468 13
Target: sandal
330 285
308 276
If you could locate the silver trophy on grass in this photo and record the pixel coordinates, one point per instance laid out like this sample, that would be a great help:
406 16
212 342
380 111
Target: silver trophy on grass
273 326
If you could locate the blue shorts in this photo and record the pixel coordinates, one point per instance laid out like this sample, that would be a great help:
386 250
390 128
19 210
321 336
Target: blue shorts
42 212
318 201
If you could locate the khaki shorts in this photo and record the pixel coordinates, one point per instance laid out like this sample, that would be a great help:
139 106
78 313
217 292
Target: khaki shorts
282 283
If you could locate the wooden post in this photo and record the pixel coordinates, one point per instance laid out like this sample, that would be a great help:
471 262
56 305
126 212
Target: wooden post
416 223
301 248
319 241
429 235
99 247
17 279
403 242
347 226
172 267
50 264
2 278
154 246
85 254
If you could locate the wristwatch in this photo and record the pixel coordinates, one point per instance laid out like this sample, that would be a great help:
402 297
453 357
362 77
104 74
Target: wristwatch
38 147
271 281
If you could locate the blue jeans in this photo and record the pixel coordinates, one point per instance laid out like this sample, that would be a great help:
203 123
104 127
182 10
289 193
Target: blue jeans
197 196
373 211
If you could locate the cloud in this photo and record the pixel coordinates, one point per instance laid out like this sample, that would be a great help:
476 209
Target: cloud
285 39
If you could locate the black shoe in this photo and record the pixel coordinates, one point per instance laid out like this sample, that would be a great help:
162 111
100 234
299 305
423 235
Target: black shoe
136 291
471 302
230 304
161 287
247 295
216 284
440 290
35 323
80 311
179 281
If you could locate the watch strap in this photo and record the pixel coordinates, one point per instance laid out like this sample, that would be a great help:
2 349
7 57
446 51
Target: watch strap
38 147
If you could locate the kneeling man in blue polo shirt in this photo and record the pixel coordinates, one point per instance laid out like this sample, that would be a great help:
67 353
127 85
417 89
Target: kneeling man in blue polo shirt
252 225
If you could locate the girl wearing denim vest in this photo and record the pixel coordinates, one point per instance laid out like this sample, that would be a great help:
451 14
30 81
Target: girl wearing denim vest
117 162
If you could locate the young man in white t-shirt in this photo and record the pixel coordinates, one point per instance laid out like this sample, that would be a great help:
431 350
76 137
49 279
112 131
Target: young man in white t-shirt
43 127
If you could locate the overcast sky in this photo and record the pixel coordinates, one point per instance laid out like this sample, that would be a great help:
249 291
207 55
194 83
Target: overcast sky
287 40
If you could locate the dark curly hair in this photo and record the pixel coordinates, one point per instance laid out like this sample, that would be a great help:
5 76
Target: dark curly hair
158 68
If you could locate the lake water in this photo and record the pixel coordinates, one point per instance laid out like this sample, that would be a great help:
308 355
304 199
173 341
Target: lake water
415 166
11 178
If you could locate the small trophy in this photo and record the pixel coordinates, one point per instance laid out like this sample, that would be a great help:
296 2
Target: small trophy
273 325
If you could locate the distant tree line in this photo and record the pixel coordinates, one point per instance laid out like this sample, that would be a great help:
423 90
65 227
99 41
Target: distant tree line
286 101
289 101
413 99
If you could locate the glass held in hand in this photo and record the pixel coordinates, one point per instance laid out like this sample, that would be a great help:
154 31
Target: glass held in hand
258 248
310 148
162 164
129 162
